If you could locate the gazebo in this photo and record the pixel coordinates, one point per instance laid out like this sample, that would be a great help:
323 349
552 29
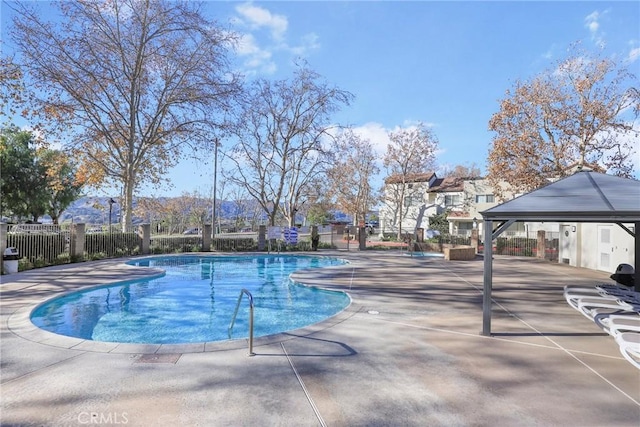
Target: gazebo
584 197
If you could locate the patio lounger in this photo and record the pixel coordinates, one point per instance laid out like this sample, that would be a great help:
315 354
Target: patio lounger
592 306
615 324
574 300
629 343
604 286
573 295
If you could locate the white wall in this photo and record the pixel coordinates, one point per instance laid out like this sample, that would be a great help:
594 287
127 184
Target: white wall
599 246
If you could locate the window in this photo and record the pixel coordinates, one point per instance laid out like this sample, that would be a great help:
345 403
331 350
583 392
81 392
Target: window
451 200
485 198
407 201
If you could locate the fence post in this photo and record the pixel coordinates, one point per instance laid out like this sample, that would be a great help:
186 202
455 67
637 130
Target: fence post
76 241
541 244
474 239
206 238
3 242
262 231
144 232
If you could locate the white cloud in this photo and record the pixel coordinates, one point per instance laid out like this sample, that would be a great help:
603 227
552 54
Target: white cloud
308 43
259 49
259 17
247 45
592 23
376 134
256 59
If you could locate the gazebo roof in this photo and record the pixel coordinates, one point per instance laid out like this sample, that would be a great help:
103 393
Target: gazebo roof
582 197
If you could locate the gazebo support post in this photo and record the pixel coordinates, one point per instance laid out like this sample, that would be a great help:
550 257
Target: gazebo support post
488 277
636 267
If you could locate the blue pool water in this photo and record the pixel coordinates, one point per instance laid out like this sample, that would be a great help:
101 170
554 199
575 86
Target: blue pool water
195 301
426 254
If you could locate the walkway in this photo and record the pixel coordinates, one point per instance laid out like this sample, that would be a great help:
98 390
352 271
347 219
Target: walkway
408 352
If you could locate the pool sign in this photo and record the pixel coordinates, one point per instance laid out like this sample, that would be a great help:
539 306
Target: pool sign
274 232
290 235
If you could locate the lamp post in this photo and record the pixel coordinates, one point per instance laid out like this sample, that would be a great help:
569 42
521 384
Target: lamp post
215 181
111 202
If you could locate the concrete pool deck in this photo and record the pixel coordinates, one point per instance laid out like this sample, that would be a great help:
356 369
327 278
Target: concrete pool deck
408 351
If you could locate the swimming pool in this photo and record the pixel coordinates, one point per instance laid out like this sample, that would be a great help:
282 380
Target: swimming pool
194 301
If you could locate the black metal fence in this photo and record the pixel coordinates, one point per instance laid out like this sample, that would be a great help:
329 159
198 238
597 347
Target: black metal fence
40 245
526 245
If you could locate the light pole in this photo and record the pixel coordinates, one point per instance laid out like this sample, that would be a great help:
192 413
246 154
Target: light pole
111 202
215 181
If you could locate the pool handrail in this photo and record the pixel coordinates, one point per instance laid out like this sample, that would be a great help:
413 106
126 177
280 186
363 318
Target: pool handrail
235 313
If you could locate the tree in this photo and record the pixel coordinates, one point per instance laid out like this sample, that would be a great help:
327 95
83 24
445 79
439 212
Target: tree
280 135
350 175
461 171
34 180
440 222
14 96
579 113
63 186
320 203
197 208
150 209
23 181
410 153
318 213
133 82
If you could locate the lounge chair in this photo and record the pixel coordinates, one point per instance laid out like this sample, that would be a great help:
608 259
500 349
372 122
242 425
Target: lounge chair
629 343
590 307
615 324
572 295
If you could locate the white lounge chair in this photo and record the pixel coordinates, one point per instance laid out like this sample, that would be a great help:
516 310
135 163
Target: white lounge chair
615 324
573 294
590 307
629 343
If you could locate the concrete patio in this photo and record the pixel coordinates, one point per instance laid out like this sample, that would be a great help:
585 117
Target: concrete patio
407 352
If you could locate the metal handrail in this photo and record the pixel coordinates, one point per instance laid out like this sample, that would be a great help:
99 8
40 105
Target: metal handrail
235 313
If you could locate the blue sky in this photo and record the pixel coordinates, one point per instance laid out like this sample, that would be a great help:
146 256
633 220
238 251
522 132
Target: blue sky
443 63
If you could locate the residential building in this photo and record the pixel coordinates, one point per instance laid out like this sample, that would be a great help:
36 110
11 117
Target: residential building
589 245
426 195
406 205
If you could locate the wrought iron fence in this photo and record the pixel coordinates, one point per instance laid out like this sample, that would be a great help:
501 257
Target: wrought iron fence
111 242
523 244
453 239
39 245
175 239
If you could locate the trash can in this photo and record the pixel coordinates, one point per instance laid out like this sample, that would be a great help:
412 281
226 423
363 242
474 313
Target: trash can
10 260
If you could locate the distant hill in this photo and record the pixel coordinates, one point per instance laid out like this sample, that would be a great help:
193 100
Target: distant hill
95 210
